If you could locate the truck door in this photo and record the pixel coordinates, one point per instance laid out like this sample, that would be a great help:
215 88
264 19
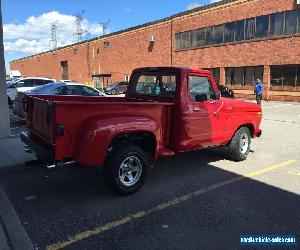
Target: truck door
206 121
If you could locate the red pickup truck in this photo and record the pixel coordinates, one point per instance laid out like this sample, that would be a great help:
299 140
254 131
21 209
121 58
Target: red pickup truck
165 110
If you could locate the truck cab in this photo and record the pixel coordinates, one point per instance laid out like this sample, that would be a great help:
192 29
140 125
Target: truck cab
166 110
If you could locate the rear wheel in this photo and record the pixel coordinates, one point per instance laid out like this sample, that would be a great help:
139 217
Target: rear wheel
9 101
126 167
114 91
239 145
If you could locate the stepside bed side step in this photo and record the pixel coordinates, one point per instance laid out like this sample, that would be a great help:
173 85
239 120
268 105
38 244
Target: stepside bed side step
166 152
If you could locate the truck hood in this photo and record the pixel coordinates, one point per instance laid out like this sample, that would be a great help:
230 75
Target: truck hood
240 105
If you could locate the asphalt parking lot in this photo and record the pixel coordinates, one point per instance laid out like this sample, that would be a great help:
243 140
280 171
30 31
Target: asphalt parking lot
195 200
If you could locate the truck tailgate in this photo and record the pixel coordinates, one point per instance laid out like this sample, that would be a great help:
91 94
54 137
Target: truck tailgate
40 119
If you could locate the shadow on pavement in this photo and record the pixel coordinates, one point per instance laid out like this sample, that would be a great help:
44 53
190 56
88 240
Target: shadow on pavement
72 200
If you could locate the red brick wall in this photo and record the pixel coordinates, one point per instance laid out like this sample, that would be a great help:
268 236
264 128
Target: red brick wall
130 50
49 64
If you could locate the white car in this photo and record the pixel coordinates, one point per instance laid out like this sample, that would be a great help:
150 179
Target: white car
25 84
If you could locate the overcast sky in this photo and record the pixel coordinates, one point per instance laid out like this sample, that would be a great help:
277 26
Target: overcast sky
27 23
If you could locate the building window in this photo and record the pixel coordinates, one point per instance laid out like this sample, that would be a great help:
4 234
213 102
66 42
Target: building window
219 34
276 24
239 30
285 75
229 32
126 78
106 44
262 26
209 36
243 75
178 40
194 38
291 22
201 37
185 40
216 74
250 29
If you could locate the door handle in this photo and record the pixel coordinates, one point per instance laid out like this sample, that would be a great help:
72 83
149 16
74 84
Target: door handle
229 108
196 109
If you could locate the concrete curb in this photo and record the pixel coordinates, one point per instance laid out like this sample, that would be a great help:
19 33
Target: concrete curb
17 237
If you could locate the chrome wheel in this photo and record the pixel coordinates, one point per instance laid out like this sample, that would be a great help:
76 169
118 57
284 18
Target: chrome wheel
244 143
130 171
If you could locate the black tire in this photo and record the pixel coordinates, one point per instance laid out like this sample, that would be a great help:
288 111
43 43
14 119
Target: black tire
9 101
119 154
113 91
238 152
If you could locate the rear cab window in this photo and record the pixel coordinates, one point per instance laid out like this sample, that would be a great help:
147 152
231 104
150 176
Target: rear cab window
154 84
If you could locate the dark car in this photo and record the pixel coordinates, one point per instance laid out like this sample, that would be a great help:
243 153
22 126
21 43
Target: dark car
225 91
116 88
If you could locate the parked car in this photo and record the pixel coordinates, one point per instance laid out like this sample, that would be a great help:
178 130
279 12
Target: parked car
25 84
116 88
165 116
225 91
56 88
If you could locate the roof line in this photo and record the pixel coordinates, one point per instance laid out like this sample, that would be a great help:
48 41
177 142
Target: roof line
183 13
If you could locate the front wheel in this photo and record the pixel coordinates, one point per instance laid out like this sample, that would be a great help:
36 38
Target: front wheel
114 91
239 145
125 168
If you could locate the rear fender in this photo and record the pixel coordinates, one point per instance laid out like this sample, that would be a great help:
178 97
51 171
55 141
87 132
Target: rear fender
95 135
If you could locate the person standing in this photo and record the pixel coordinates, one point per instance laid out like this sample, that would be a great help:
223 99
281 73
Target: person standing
258 91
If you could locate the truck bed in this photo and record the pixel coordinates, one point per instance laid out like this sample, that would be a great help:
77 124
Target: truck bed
54 120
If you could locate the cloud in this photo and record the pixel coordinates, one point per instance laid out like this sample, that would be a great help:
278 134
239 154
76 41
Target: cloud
34 34
193 6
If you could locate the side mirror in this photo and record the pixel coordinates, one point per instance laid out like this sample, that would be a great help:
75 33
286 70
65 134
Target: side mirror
216 96
201 98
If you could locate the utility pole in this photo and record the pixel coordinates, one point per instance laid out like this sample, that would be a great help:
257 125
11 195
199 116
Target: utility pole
78 25
4 113
104 26
53 40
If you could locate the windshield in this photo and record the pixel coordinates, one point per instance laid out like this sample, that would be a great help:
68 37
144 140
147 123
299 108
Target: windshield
156 84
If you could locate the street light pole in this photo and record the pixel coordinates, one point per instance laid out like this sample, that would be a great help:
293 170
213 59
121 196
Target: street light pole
4 112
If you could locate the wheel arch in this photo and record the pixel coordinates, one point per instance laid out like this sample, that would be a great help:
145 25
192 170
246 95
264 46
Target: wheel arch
146 140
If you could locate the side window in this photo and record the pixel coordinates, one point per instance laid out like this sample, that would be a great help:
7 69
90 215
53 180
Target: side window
86 91
72 90
60 91
200 85
19 84
36 82
27 83
47 81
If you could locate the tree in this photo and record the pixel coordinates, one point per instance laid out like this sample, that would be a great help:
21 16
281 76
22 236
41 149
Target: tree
4 112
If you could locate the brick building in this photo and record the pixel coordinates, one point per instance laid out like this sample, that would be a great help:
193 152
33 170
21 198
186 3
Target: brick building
238 40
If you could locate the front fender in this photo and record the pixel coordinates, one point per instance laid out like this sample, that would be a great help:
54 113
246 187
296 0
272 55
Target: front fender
96 133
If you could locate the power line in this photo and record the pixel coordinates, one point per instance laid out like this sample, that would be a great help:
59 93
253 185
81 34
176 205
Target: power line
104 26
53 40
78 25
